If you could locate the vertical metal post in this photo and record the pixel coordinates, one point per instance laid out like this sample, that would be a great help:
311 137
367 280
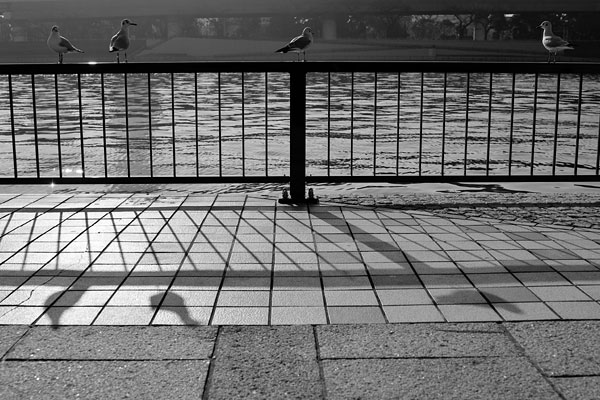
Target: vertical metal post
512 124
196 120
489 130
352 124
444 122
579 101
329 123
81 126
104 125
150 126
243 125
58 126
535 98
375 128
173 125
220 124
12 125
556 125
398 128
467 123
127 127
266 124
297 134
421 125
35 127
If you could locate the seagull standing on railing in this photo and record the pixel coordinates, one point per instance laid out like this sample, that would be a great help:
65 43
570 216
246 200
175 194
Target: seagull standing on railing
553 43
120 42
60 44
299 44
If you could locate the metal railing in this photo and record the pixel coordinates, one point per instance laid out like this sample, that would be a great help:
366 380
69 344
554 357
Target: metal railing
299 122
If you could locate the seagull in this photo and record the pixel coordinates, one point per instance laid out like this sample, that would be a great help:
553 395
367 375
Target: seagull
120 42
554 44
60 44
299 44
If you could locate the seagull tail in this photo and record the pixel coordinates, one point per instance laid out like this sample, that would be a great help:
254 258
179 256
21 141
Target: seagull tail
112 49
284 49
78 50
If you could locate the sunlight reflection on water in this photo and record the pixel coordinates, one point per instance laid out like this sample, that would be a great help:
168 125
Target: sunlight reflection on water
344 127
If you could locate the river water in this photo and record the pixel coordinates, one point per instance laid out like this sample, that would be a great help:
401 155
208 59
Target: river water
354 126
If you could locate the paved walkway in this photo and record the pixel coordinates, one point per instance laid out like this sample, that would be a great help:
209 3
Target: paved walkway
241 259
469 292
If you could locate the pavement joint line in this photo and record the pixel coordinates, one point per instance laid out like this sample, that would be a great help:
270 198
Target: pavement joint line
211 366
92 262
5 355
185 254
34 219
523 353
321 280
227 262
129 273
369 277
319 362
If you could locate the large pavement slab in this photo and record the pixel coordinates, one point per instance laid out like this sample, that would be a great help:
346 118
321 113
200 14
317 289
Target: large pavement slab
523 360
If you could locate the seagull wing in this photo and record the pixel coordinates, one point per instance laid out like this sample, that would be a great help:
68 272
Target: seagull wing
64 42
119 42
554 41
299 43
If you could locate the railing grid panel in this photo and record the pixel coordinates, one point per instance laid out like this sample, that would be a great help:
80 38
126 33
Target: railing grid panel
366 121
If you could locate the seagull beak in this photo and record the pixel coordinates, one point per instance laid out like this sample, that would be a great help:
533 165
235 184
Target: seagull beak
132 23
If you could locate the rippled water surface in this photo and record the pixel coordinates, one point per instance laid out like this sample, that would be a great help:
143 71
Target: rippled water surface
209 124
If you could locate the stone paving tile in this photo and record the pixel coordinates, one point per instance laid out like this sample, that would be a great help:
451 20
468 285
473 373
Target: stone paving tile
492 378
240 316
9 335
585 387
243 298
304 315
189 315
459 295
559 293
508 294
115 343
414 341
560 348
346 282
297 298
397 297
468 312
125 315
103 379
69 316
531 311
576 309
355 315
350 298
275 363
413 313
19 315
445 281
592 290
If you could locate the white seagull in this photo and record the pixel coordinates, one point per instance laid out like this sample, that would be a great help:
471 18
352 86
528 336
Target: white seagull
299 44
60 44
120 42
553 43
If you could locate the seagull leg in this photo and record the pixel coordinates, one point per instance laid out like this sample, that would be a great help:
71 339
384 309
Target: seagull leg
60 58
118 61
125 56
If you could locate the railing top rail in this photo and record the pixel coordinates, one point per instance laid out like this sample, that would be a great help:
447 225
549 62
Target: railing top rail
320 66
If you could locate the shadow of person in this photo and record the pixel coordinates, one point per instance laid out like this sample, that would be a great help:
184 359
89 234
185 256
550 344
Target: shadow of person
176 304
